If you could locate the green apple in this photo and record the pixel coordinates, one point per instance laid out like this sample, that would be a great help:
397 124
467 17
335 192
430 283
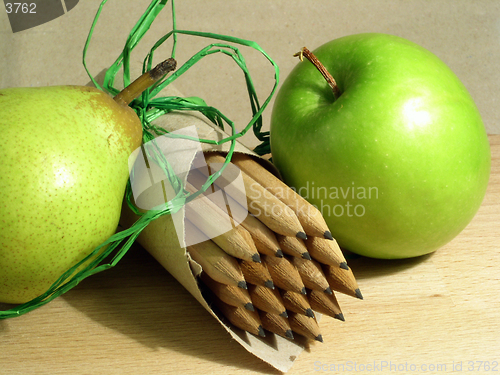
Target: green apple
399 162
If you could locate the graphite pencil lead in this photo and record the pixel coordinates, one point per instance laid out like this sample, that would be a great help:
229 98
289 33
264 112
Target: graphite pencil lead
256 258
303 291
269 284
262 333
306 256
242 285
289 334
249 307
328 235
310 313
344 265
319 338
328 290
358 293
301 235
284 314
279 253
340 317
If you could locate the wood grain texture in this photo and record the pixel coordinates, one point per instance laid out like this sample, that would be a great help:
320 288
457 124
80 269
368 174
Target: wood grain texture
136 319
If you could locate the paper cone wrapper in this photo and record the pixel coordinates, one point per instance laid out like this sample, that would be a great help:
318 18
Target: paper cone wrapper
160 239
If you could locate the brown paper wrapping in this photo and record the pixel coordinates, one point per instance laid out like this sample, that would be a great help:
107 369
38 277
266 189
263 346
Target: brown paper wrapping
160 239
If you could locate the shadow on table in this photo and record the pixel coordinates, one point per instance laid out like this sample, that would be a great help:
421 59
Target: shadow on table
367 268
140 299
3 327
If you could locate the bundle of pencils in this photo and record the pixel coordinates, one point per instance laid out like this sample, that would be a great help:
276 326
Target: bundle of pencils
276 268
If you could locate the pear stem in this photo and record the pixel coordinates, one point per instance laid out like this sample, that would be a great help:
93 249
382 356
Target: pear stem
304 52
146 80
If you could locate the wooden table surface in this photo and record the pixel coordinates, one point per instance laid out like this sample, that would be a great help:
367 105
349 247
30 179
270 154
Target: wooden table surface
436 314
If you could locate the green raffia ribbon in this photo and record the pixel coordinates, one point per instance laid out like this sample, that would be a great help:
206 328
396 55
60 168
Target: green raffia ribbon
149 107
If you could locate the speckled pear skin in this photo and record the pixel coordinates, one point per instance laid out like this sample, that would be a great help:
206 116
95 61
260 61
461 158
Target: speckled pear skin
63 171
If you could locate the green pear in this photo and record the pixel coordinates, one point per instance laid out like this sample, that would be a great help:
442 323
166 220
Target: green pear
63 172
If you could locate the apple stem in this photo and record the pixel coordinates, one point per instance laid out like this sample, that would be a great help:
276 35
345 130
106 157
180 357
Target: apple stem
304 52
146 80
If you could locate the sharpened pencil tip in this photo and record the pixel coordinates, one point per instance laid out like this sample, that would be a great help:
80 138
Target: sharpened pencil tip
306 256
309 313
261 332
328 291
301 235
256 258
289 334
303 291
269 284
328 235
358 293
249 306
242 285
284 314
279 253
339 316
319 338
344 265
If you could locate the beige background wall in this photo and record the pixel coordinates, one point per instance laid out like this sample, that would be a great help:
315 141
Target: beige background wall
465 34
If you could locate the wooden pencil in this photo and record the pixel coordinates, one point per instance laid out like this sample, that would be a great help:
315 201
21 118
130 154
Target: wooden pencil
326 251
342 281
230 294
305 326
311 274
240 317
325 304
309 216
276 324
284 274
264 239
209 219
267 299
275 214
256 273
293 246
219 265
297 303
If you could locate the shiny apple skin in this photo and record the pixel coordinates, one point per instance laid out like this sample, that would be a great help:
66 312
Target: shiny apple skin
404 126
